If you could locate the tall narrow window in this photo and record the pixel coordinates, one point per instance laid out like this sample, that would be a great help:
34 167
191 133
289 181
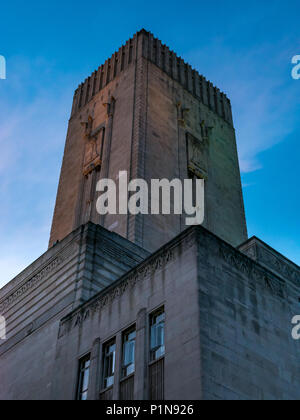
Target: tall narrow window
109 364
157 335
157 361
128 358
128 365
83 378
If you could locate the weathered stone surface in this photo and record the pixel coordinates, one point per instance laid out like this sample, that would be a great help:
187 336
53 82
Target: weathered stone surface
228 333
85 262
228 311
268 257
245 310
149 102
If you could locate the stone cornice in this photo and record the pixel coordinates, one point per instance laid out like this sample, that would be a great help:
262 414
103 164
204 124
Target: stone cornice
30 284
150 266
258 276
271 259
35 280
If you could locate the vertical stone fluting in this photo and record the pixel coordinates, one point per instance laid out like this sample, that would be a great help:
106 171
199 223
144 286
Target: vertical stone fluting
139 131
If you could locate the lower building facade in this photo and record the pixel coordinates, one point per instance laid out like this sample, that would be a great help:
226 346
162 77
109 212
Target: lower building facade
196 320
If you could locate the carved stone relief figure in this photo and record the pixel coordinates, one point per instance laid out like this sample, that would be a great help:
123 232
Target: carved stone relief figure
197 156
93 147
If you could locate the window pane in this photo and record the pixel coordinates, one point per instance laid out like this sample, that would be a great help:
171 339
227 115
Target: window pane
132 336
128 353
157 335
85 383
109 363
130 369
160 335
153 337
84 396
83 378
128 358
113 357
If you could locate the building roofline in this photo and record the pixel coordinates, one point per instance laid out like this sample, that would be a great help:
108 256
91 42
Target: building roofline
144 44
255 238
171 244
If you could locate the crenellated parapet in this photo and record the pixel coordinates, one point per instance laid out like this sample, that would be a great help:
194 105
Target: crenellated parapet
105 74
144 44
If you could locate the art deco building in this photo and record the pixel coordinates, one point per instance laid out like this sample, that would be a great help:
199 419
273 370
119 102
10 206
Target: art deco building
139 307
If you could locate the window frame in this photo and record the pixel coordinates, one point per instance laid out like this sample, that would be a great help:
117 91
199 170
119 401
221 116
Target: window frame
124 367
105 378
152 351
82 369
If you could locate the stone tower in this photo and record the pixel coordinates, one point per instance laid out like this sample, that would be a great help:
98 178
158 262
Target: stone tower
148 112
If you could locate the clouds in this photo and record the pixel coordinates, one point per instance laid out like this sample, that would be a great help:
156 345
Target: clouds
257 78
22 246
36 101
246 55
263 98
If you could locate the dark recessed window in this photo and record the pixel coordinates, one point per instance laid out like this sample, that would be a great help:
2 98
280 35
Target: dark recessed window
109 364
128 357
157 335
83 378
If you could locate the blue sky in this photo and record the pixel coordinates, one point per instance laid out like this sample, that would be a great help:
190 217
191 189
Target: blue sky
50 47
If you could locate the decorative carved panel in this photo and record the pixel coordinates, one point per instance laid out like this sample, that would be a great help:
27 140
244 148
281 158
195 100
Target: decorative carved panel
197 151
93 146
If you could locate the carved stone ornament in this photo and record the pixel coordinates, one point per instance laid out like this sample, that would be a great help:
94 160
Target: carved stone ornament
257 276
30 284
197 156
93 146
139 274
